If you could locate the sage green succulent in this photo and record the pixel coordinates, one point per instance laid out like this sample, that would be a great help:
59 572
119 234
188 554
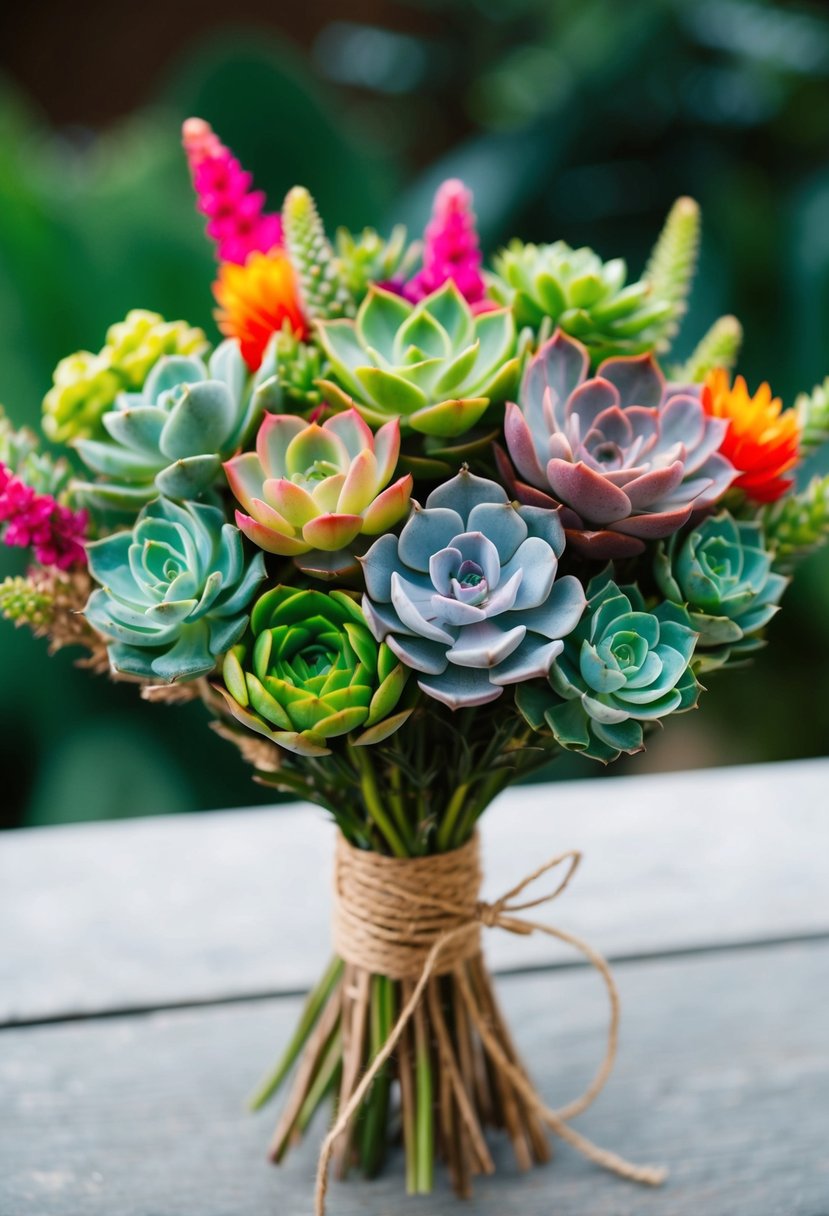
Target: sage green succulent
172 437
310 672
174 591
435 365
623 667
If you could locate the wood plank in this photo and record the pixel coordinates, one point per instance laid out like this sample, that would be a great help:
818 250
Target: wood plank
723 1076
162 911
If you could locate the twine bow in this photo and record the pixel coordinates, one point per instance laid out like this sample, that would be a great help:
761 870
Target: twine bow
503 914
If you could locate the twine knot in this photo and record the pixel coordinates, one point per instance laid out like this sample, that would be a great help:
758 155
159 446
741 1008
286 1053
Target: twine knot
420 917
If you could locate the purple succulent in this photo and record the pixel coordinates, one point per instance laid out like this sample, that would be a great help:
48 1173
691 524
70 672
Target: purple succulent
626 456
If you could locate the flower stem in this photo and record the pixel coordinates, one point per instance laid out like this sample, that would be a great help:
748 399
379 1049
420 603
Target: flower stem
374 805
425 1150
310 1014
450 818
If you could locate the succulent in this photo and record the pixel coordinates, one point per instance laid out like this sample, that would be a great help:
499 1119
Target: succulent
310 671
622 668
173 593
722 573
672 265
812 412
719 347
432 364
573 289
625 455
299 365
310 487
19 452
797 524
366 257
321 290
467 595
170 438
86 385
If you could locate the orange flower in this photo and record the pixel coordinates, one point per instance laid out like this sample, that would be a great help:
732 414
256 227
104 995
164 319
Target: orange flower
255 300
762 440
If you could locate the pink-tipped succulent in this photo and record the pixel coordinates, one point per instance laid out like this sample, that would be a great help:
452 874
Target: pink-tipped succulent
37 521
450 248
236 219
309 487
625 456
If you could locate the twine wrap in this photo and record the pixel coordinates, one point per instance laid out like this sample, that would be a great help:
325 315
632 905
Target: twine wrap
421 917
389 913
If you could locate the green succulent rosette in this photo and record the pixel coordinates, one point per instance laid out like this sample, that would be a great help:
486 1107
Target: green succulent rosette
310 671
555 286
723 574
435 365
622 668
172 437
174 591
366 257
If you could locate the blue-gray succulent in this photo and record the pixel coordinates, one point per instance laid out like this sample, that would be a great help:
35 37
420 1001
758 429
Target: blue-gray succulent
174 591
467 596
722 572
172 437
621 668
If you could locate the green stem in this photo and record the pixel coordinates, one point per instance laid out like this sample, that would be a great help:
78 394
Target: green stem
373 1136
425 1150
313 1008
450 818
323 1081
374 804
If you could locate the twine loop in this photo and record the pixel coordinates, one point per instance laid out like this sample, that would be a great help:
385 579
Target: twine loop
420 917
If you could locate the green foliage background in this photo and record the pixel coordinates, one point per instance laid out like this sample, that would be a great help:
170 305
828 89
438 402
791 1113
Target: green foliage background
580 119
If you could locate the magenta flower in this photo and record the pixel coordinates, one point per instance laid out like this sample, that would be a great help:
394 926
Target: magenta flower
36 521
451 249
236 220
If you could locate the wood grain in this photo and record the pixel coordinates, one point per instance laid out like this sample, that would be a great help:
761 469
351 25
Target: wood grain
164 911
723 1075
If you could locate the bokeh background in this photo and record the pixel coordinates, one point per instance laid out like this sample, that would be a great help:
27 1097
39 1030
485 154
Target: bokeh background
580 119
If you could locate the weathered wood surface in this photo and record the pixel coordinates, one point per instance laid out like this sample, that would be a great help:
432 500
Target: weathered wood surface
189 909
723 1076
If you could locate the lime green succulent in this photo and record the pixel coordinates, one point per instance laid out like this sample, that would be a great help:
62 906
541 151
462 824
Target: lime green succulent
310 671
435 365
556 286
622 668
86 385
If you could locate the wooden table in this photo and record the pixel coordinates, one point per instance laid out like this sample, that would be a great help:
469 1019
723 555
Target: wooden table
151 970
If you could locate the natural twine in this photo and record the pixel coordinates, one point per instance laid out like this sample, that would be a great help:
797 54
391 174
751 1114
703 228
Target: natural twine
420 917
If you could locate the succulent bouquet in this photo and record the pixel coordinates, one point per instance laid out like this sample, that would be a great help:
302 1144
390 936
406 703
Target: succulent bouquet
412 529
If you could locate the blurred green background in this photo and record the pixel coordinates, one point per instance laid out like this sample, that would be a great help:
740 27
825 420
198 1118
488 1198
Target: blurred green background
580 119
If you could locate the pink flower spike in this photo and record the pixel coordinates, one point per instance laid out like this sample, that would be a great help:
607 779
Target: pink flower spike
38 522
237 222
450 248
